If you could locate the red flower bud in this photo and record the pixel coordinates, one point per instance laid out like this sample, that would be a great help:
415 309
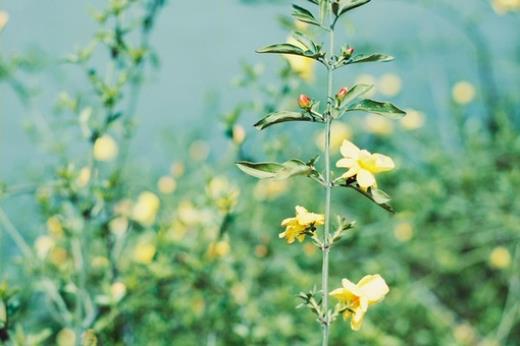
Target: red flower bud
342 93
347 53
304 101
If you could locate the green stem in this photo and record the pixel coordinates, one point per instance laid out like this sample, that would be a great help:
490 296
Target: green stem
328 188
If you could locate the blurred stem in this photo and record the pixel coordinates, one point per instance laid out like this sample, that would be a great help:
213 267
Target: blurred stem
510 313
328 187
15 235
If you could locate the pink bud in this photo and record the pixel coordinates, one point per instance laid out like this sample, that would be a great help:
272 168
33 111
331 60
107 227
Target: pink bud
342 93
348 52
304 101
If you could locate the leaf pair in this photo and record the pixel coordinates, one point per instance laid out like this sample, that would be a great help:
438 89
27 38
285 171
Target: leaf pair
264 170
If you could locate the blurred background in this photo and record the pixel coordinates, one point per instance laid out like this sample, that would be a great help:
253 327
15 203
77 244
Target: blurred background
181 247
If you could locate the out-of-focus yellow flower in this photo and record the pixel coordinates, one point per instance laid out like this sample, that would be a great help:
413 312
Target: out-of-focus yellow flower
223 193
389 84
54 226
403 231
118 226
66 337
338 133
105 148
412 120
144 251
378 125
199 150
303 66
356 298
239 293
363 164
99 262
43 245
166 185
504 6
500 258
465 334
83 177
463 92
118 290
295 227
146 208
123 207
177 169
188 214
218 249
269 189
4 18
367 79
58 256
239 134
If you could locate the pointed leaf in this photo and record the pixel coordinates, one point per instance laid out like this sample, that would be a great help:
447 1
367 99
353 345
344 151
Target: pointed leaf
357 91
264 170
282 48
385 109
304 15
347 5
375 195
370 58
379 196
280 117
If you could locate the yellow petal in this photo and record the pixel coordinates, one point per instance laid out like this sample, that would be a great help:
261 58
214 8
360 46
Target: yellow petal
357 319
349 150
288 221
373 288
346 163
346 293
350 173
365 179
382 163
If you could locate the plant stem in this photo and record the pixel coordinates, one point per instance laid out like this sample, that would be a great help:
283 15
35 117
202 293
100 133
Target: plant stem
328 187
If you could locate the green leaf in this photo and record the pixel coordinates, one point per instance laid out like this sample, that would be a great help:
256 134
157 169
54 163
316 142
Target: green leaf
304 15
280 117
282 48
323 10
357 91
264 170
347 5
377 196
315 2
385 109
370 58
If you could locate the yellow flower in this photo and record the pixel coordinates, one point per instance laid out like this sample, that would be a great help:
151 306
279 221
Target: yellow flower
166 185
218 249
199 150
378 125
304 67
355 299
43 245
145 251
504 6
295 227
118 290
105 148
4 18
500 258
146 208
403 231
389 84
239 134
463 92
54 226
83 177
363 164
412 120
338 133
66 337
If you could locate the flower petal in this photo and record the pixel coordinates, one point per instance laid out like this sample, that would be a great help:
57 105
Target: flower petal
382 163
373 288
365 179
346 163
350 173
357 319
349 150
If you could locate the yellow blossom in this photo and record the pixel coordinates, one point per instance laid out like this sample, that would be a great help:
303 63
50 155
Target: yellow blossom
239 134
146 208
303 66
199 150
295 227
83 177
463 92
412 120
223 193
504 6
403 231
4 18
378 125
363 164
54 226
43 245
118 290
389 84
500 258
144 251
66 337
219 249
354 299
118 226
105 148
166 185
338 133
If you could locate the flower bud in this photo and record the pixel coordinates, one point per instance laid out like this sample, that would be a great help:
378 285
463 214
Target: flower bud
304 102
342 93
347 53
